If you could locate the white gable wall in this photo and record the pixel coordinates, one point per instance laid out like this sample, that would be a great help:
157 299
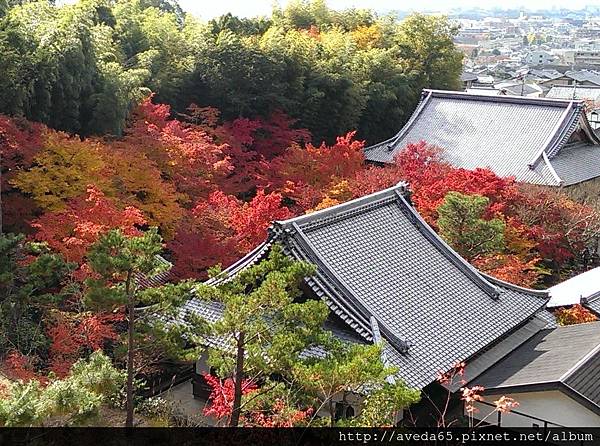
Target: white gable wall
552 406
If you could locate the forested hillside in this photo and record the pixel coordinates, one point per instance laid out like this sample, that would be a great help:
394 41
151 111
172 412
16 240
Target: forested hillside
81 68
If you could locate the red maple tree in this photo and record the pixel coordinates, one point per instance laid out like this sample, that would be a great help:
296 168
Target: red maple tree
73 230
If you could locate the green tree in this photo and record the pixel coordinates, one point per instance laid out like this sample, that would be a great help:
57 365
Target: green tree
120 262
355 369
426 46
67 62
234 75
76 399
157 39
31 280
461 223
264 328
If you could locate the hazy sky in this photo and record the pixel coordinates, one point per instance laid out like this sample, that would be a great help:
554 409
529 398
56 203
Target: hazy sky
248 8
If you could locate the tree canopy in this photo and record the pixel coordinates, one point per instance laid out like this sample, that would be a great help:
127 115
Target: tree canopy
82 67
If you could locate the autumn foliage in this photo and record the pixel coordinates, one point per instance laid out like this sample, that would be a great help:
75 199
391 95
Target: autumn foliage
275 413
221 395
213 187
576 314
70 335
73 230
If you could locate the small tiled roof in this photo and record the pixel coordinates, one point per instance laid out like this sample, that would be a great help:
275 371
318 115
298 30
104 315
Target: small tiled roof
584 76
468 76
520 89
144 281
564 358
593 303
382 270
512 135
575 92
577 162
546 74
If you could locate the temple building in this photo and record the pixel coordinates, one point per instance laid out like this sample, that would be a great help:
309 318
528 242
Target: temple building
535 140
387 277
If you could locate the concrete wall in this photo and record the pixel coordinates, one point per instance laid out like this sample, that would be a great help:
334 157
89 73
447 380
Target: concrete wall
552 406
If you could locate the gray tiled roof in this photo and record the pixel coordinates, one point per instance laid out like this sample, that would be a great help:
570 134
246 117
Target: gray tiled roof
546 74
593 303
577 162
468 76
580 92
512 135
520 89
144 281
585 380
378 260
564 358
584 76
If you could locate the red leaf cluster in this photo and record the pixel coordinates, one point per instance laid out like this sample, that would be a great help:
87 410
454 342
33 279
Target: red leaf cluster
73 230
222 228
69 336
20 141
221 395
305 174
18 366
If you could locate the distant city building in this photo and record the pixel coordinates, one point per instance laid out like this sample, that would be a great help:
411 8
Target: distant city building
589 57
539 58
468 78
580 78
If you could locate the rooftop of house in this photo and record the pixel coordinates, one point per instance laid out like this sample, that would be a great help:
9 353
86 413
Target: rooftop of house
593 303
520 89
564 358
585 286
527 138
584 76
589 76
384 272
467 76
591 93
161 278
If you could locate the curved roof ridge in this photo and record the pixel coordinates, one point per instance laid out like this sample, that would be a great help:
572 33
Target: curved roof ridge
342 209
326 269
446 250
391 142
512 286
556 102
252 257
556 136
570 126
550 167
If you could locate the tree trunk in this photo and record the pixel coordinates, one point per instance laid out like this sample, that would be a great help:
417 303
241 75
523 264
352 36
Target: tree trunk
130 350
0 193
237 382
331 413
